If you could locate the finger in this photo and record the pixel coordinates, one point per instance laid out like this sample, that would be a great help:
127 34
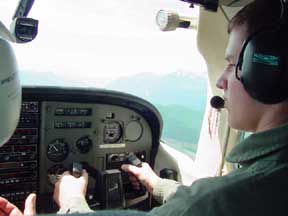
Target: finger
30 205
56 196
83 179
130 168
132 178
146 165
2 213
58 181
3 203
65 173
136 188
56 192
135 184
8 208
84 175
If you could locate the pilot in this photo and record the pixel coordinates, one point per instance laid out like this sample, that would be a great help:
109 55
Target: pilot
254 83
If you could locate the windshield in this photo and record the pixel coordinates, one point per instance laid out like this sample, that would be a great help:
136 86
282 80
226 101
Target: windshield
117 45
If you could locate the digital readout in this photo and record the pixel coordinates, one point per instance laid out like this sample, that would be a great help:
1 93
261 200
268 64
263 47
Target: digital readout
73 112
25 132
72 124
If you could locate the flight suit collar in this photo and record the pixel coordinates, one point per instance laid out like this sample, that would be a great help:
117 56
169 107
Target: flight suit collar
259 145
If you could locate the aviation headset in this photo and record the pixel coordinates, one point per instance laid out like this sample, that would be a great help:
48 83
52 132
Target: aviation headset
262 61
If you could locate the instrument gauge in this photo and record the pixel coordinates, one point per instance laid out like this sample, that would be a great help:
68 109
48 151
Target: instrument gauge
112 132
84 144
57 150
133 131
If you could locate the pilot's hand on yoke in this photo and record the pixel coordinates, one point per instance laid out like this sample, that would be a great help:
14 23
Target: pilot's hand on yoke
68 187
144 174
8 209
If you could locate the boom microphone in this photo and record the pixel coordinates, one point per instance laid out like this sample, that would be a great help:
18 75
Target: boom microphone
217 102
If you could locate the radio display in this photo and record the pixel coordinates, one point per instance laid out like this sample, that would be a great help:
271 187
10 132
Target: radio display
72 124
73 112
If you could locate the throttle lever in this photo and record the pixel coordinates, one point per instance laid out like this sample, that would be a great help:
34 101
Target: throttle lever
133 160
77 169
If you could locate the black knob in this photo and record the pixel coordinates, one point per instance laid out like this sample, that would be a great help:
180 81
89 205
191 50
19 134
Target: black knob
133 159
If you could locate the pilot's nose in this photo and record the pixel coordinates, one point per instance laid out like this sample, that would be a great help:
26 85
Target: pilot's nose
222 82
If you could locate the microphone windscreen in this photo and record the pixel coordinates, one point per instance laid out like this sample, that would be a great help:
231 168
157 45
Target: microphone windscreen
217 102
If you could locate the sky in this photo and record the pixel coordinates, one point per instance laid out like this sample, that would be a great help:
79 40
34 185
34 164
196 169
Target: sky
105 39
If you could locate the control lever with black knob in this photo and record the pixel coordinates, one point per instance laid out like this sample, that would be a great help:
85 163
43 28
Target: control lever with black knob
169 174
132 159
76 169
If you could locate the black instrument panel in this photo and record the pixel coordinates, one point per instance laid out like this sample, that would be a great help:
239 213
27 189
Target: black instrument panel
60 126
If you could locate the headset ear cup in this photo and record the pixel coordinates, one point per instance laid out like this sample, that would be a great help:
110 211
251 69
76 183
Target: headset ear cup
262 73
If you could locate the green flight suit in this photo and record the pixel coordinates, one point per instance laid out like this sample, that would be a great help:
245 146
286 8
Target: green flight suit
259 187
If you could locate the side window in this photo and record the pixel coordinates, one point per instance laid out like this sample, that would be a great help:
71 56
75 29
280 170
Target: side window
183 115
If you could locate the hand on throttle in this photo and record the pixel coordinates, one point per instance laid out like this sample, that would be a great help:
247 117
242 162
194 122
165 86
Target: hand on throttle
144 174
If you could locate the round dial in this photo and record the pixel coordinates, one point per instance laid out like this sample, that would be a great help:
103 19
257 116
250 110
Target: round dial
84 144
57 150
133 131
112 132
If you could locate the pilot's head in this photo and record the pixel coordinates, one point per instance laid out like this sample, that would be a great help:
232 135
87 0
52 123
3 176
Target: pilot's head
254 106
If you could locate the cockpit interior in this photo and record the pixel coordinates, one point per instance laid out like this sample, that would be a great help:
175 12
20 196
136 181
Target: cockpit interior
67 128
